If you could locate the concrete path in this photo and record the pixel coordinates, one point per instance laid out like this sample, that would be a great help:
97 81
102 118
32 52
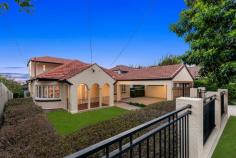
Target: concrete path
232 110
126 106
143 100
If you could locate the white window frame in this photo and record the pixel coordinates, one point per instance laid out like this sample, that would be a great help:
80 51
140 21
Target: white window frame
123 88
44 68
40 89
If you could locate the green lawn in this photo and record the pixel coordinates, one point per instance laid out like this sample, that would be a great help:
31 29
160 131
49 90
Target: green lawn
232 102
66 123
227 145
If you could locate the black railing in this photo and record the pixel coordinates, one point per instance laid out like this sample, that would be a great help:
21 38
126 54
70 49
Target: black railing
222 102
166 136
208 117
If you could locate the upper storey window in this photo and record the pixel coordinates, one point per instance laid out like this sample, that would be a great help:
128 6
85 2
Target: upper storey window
44 67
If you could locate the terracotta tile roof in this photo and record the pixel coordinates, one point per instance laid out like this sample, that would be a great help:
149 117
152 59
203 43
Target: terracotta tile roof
152 73
194 71
70 68
65 71
122 68
111 73
48 59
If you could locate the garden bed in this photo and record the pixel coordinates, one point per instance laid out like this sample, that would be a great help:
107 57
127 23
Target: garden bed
26 132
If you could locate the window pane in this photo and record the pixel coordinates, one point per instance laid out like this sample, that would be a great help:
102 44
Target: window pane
40 91
45 91
123 88
50 91
57 92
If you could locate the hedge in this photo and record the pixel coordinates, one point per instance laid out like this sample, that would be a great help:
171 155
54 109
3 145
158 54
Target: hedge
213 87
26 132
93 134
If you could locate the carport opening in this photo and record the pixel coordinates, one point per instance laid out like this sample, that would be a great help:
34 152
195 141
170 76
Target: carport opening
156 91
94 96
137 91
82 92
105 95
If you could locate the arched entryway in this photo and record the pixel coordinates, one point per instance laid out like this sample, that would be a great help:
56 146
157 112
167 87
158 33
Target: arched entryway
94 99
106 95
82 93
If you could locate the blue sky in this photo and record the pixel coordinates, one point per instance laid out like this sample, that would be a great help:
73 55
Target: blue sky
64 28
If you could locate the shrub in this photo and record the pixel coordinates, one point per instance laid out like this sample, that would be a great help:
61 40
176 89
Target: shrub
232 92
13 86
137 104
27 133
18 110
213 87
205 83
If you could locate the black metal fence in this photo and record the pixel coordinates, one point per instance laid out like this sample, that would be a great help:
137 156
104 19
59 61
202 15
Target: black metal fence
208 117
222 102
166 136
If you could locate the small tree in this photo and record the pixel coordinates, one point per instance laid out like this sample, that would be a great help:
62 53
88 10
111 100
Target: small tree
209 26
169 60
13 86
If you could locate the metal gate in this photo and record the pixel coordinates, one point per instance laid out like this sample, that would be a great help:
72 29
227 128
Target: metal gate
208 117
181 90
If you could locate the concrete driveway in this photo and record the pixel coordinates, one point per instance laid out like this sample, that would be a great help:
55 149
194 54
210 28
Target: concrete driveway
232 110
143 100
126 106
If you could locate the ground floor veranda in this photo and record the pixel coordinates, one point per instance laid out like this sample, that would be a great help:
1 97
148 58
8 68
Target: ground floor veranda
97 96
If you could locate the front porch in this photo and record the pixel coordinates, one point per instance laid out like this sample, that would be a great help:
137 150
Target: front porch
94 97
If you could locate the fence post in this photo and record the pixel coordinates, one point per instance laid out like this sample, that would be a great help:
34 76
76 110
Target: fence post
226 99
202 90
193 92
195 125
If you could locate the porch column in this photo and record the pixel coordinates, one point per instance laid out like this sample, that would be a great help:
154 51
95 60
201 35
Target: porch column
73 99
118 94
169 88
89 98
111 96
100 97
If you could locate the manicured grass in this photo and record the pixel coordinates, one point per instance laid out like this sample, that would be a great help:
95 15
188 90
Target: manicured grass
66 123
227 145
232 102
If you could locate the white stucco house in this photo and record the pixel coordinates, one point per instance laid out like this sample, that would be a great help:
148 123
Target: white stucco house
76 86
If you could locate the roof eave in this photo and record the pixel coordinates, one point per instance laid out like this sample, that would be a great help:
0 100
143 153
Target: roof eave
159 79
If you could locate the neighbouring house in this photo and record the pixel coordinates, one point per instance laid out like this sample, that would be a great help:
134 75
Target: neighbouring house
122 69
75 85
194 70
